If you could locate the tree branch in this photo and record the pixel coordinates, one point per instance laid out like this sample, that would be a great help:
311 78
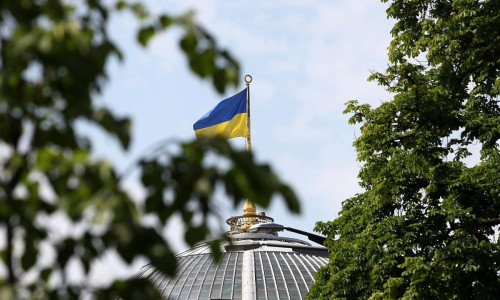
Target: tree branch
490 222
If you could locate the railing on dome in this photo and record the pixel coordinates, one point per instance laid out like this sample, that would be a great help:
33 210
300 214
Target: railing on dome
246 221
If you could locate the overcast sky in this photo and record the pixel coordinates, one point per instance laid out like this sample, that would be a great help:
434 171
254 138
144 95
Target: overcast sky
307 58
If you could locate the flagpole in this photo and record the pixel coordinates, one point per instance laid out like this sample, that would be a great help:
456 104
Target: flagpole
248 80
249 208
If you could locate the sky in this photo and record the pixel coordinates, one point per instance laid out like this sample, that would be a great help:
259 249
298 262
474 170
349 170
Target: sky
307 58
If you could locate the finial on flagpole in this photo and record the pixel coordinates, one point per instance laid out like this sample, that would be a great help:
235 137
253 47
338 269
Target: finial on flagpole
248 79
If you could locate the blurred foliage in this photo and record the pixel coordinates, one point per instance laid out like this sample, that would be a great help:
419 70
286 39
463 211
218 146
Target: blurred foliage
426 226
53 63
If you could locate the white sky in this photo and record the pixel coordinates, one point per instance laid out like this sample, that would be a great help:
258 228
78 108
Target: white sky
307 58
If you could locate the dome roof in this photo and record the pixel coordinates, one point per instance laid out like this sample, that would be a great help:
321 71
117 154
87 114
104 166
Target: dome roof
257 264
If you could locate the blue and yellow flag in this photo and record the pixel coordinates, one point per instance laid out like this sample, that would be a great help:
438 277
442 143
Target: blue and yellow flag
228 119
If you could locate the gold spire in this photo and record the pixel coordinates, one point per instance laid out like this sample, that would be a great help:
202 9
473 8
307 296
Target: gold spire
249 208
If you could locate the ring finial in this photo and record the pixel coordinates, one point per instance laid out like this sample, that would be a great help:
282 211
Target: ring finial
248 79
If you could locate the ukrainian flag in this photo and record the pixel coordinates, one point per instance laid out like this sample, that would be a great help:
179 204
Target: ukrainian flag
228 119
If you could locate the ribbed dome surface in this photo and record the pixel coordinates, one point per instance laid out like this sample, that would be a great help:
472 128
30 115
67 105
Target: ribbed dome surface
254 266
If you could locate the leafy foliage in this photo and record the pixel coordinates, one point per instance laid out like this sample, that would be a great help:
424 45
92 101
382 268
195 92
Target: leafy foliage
424 226
53 62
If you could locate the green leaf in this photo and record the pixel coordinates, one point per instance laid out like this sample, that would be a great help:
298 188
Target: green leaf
145 34
188 43
45 274
195 234
120 5
165 21
30 254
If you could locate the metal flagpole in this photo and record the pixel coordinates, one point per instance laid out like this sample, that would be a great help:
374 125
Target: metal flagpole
248 208
248 80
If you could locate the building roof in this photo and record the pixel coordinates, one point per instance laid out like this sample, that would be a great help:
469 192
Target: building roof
256 264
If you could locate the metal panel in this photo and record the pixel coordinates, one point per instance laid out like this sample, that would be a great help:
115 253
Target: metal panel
198 276
291 280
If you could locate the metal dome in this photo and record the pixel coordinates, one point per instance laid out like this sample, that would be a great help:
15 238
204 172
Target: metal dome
257 264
